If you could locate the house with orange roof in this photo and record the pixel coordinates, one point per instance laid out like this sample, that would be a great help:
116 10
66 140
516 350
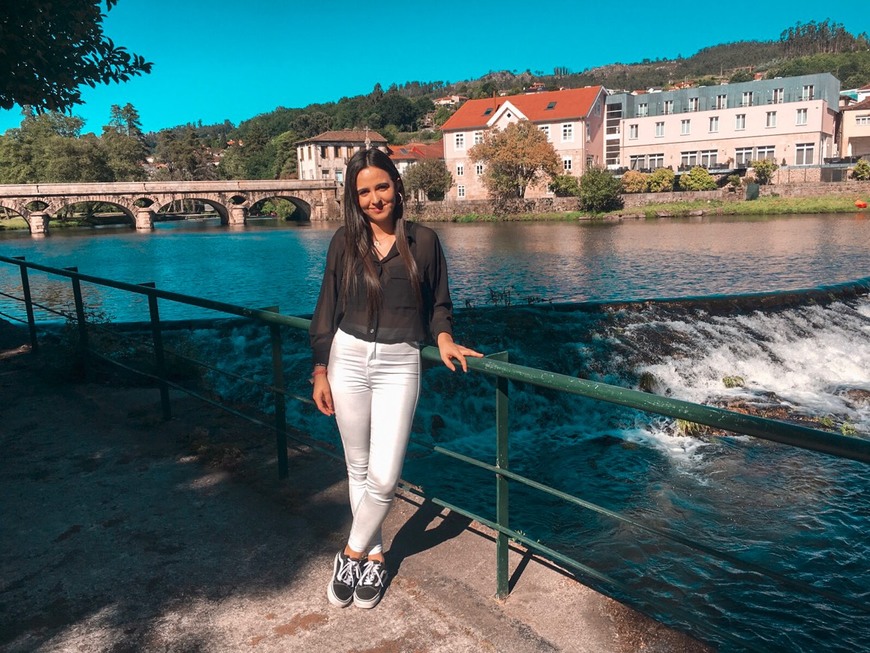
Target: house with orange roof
855 129
325 156
572 120
409 154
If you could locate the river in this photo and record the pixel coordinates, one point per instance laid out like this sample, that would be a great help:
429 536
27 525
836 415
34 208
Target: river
569 297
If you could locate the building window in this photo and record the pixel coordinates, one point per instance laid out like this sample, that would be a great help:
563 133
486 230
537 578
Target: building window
324 174
714 123
771 119
546 130
862 121
669 107
808 93
656 161
567 133
637 161
721 101
339 176
765 152
694 104
632 132
567 164
478 169
460 191
336 151
642 110
708 158
460 169
323 149
740 121
688 159
309 153
746 100
801 118
660 129
743 156
460 141
803 154
478 138
778 95
685 127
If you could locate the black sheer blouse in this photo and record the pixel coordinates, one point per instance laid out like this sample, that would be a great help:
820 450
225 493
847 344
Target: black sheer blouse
399 318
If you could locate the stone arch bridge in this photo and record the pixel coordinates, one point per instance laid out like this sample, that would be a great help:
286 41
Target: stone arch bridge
140 201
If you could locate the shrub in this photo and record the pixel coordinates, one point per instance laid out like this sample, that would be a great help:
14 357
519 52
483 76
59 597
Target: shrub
661 180
697 179
634 181
764 170
565 186
734 181
861 171
600 191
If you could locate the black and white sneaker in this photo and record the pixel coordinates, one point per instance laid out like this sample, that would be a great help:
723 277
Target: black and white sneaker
371 585
345 576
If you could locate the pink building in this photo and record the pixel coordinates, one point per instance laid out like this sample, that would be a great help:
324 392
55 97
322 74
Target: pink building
573 121
855 130
789 120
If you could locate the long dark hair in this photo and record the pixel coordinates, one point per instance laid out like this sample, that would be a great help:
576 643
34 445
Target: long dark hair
359 239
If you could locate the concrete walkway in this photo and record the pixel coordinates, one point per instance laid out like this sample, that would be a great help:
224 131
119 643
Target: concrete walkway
120 532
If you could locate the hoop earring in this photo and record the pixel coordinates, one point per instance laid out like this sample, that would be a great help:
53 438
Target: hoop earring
401 199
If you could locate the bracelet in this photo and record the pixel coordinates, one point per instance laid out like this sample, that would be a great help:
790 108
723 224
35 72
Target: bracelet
320 368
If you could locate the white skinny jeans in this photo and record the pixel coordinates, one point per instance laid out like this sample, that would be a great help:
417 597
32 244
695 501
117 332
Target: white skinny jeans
375 388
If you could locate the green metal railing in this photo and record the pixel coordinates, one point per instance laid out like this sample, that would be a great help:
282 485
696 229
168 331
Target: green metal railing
497 366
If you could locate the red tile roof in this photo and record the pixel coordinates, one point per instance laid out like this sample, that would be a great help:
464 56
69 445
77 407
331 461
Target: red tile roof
569 105
417 151
860 106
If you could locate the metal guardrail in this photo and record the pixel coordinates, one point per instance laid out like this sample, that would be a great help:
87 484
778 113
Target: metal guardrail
495 365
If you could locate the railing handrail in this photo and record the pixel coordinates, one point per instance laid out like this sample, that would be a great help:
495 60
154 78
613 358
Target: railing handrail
760 427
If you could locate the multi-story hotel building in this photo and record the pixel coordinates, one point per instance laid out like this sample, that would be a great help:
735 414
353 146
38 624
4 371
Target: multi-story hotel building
789 120
573 121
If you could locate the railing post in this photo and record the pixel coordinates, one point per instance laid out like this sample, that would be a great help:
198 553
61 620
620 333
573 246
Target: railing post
159 358
80 317
278 395
28 304
502 545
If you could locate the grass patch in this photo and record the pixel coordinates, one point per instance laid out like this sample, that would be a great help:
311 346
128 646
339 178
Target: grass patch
761 206
14 223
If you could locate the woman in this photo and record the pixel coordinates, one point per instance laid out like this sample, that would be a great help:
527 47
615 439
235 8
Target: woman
384 292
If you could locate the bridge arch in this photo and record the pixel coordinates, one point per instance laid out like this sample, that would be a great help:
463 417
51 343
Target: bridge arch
222 211
303 208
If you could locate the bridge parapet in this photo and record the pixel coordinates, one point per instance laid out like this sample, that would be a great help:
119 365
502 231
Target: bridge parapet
231 199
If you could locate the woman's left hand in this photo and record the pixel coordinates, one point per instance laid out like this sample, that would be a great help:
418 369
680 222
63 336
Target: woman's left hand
450 350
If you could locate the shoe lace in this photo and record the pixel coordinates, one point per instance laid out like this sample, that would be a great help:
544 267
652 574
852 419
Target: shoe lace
373 574
348 572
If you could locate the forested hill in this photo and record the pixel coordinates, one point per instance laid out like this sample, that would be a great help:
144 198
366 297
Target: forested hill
812 47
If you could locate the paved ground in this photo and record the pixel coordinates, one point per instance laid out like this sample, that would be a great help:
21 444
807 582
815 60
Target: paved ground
120 532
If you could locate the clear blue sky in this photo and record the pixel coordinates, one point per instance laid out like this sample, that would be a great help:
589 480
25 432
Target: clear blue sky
230 59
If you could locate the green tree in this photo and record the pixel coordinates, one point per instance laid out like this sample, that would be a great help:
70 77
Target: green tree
50 49
861 171
430 176
634 181
697 178
565 186
661 180
514 158
124 144
600 191
764 169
